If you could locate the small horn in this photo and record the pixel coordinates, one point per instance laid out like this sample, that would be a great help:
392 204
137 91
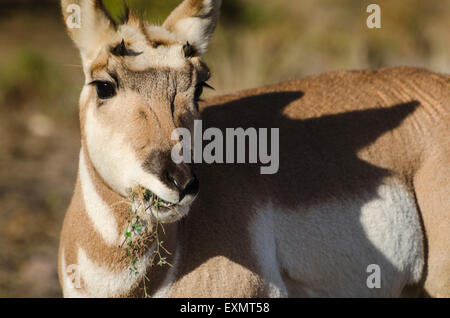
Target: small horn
121 50
189 50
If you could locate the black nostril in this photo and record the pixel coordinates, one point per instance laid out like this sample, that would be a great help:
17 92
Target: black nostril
186 188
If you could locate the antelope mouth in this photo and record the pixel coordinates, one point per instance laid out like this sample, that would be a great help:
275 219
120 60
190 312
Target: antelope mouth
157 202
146 203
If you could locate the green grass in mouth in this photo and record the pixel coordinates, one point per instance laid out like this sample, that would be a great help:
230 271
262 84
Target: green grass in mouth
156 201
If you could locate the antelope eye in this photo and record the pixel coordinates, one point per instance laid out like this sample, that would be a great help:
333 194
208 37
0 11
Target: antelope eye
105 90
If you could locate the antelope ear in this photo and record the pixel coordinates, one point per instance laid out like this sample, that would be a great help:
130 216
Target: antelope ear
88 24
194 21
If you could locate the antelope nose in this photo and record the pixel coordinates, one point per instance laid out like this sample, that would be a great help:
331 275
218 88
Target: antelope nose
186 183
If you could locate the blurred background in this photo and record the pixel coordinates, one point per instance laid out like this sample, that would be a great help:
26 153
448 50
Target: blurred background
258 42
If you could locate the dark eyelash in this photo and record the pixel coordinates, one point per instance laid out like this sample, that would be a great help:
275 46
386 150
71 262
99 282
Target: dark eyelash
113 76
96 82
199 92
204 84
105 89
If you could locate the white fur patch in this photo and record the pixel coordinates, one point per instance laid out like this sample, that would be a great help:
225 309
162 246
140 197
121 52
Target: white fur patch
98 211
95 29
198 29
194 30
101 282
116 162
326 249
263 242
175 214
163 56
69 284
396 215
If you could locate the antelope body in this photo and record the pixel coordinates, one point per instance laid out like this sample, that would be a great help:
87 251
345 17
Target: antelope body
363 176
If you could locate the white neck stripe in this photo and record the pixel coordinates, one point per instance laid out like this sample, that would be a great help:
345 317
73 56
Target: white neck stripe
97 210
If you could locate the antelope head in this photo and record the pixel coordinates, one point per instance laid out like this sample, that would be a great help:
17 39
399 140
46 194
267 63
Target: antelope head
142 82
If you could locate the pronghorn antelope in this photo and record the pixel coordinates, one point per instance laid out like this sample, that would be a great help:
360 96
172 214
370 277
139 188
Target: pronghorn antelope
363 177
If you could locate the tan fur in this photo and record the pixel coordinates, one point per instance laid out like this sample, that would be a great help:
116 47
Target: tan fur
115 258
91 19
207 10
187 9
391 139
432 185
342 134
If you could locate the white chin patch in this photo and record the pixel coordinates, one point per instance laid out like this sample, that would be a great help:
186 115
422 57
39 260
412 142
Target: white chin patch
165 215
149 207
